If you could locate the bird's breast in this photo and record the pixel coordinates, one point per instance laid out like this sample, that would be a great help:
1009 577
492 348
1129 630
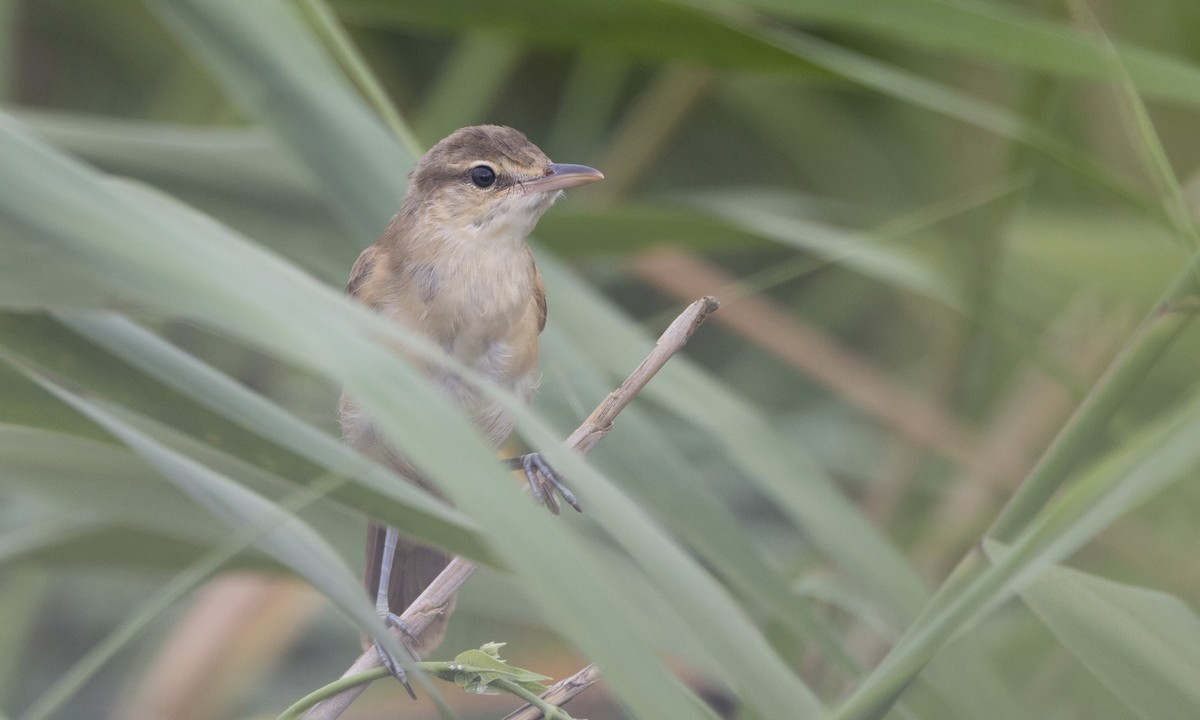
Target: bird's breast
475 297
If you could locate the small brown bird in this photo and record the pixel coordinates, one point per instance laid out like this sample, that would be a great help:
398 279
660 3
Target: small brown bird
453 266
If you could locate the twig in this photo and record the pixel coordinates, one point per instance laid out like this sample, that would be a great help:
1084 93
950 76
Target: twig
560 693
599 423
432 602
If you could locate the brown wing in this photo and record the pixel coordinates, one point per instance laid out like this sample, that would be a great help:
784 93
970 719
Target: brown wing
362 270
539 296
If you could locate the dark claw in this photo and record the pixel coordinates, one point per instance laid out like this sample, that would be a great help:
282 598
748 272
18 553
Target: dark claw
391 619
544 481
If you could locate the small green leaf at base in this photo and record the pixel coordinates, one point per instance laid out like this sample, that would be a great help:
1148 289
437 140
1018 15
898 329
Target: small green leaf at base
478 671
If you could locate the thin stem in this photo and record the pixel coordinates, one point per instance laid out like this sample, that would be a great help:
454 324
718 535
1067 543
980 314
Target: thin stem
1158 332
334 688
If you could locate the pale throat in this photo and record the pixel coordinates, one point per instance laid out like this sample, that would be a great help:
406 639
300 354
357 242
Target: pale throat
478 284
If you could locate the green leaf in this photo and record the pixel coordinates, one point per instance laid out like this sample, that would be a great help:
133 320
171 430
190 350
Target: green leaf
911 87
97 480
400 503
285 536
468 84
1001 32
579 231
681 496
654 29
774 215
476 671
1142 644
245 162
1121 481
781 471
678 30
265 57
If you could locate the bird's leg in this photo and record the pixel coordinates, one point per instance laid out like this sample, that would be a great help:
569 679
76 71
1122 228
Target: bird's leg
383 607
544 481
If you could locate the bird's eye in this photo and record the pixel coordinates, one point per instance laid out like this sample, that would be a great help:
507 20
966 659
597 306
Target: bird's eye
483 176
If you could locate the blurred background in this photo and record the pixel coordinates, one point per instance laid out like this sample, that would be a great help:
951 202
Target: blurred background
931 225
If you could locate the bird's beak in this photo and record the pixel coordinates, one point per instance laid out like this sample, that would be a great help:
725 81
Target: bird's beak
561 177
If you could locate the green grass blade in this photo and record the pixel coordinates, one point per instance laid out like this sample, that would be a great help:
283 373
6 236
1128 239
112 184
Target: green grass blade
1121 482
999 32
911 87
256 414
1143 645
340 44
468 85
783 472
772 215
79 476
645 30
265 57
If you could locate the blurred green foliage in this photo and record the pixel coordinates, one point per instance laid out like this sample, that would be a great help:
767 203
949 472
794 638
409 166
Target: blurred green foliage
934 459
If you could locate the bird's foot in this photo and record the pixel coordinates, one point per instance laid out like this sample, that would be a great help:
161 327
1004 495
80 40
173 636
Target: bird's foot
544 481
392 620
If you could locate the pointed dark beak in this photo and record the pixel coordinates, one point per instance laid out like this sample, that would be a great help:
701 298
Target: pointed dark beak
561 177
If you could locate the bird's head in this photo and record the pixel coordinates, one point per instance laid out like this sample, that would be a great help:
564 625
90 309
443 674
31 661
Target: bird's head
489 178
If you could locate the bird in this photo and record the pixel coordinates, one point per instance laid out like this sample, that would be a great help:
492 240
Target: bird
453 266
